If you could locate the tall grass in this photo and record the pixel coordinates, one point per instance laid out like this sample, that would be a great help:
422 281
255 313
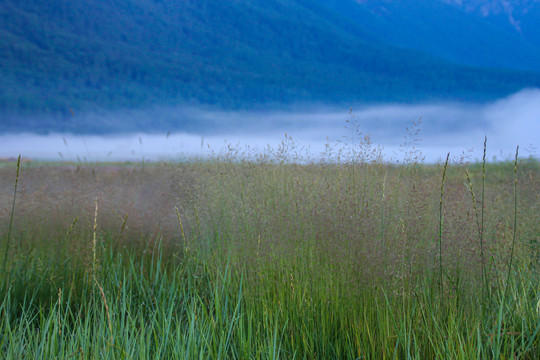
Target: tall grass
258 255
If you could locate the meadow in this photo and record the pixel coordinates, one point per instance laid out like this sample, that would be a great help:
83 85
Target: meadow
267 255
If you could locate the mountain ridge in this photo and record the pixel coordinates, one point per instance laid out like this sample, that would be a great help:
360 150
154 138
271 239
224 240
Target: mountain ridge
62 56
456 30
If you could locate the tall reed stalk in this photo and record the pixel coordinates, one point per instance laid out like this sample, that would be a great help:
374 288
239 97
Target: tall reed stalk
12 213
515 220
482 204
502 307
441 227
480 219
94 240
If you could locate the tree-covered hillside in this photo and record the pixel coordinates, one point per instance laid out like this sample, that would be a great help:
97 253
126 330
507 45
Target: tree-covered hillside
58 55
489 33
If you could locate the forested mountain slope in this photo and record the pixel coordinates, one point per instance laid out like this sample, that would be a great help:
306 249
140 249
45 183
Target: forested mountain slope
58 55
492 33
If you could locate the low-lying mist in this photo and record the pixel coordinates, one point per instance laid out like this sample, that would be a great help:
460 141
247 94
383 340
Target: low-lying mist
440 128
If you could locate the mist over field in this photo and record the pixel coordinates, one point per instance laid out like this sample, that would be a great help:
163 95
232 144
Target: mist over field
455 127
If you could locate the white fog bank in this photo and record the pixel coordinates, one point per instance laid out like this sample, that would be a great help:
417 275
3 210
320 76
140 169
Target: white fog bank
451 127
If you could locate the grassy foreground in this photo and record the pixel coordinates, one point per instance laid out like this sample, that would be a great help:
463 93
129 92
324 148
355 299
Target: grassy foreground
268 259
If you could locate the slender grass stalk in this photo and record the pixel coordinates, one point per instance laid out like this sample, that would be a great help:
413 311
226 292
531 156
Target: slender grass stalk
109 322
500 318
480 219
515 222
199 232
122 229
352 126
477 217
120 234
59 246
186 246
383 202
441 227
482 203
94 240
12 213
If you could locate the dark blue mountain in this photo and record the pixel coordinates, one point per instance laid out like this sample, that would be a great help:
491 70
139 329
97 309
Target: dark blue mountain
500 34
59 56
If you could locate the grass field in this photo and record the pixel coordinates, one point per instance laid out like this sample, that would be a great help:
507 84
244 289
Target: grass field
271 258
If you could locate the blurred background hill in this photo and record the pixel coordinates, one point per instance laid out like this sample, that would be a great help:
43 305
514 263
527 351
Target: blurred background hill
59 57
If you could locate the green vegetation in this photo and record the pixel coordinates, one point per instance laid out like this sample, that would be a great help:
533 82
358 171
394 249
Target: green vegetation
351 258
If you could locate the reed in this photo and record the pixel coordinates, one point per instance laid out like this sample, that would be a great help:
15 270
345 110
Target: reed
11 216
441 285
